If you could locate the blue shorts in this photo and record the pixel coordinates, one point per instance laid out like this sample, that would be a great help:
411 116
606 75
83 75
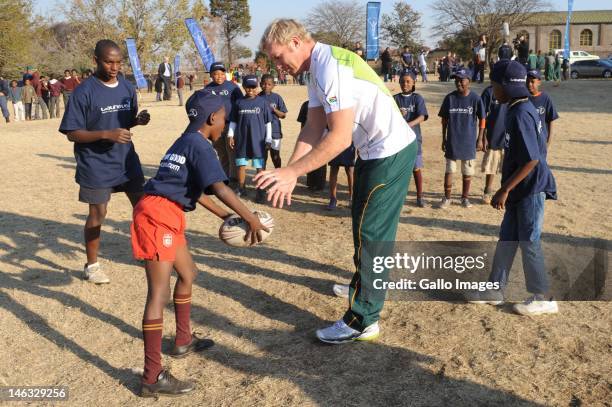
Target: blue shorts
418 163
255 162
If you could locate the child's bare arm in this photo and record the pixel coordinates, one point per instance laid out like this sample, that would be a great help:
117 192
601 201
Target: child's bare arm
419 119
209 204
121 136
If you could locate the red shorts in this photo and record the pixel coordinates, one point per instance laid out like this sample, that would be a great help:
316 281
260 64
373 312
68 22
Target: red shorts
158 229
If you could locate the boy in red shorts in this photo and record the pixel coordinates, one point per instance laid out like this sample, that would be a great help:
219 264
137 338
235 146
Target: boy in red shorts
189 168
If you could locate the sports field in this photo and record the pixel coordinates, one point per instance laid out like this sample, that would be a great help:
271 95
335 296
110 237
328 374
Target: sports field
261 305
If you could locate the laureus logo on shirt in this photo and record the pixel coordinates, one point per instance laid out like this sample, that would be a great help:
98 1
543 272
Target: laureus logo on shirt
223 92
255 110
541 109
462 110
407 109
127 105
332 100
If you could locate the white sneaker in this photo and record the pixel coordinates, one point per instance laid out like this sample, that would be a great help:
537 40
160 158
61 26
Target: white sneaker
341 290
340 332
534 306
444 203
466 203
93 273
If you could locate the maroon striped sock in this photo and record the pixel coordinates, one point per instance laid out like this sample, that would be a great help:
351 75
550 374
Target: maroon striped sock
182 313
152 335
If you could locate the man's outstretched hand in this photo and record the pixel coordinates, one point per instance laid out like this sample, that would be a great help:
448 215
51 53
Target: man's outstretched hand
280 183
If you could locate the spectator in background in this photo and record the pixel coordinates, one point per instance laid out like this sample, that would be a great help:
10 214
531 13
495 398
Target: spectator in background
387 60
190 79
480 58
532 61
69 84
86 74
541 62
522 48
27 74
359 50
149 83
505 51
164 72
55 90
44 87
38 102
15 93
4 92
28 95
76 77
423 64
159 87
180 84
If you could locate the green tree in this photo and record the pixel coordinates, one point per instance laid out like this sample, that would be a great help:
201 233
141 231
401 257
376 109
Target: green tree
402 26
339 23
15 38
235 20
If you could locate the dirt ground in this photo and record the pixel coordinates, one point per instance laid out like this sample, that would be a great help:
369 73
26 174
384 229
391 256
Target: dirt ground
262 305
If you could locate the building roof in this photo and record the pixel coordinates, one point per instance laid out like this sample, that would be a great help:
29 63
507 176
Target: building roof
578 17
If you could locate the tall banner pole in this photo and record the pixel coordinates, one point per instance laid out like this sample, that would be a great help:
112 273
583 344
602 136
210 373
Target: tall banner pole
372 16
199 40
566 48
177 68
141 82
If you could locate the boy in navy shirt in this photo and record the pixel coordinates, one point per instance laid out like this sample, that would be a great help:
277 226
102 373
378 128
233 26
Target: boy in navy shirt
188 169
98 118
494 140
543 104
279 111
526 183
461 112
251 124
230 92
412 106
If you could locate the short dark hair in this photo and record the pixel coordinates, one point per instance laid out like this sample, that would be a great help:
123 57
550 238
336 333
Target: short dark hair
266 76
103 45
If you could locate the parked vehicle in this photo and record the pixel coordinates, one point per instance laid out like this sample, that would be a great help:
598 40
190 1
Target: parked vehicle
577 55
593 68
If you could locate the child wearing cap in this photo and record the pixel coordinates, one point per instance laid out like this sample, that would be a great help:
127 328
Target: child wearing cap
526 183
188 172
230 92
543 104
494 141
462 111
412 106
279 111
250 131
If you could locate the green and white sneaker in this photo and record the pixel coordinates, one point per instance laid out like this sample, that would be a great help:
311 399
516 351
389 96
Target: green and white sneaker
536 306
94 274
340 332
341 290
491 297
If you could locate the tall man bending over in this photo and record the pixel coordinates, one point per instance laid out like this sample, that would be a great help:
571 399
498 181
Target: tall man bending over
348 97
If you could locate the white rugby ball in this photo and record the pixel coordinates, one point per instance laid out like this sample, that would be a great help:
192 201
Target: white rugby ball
234 229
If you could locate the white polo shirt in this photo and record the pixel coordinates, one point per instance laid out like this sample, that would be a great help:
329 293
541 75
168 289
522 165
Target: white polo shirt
340 79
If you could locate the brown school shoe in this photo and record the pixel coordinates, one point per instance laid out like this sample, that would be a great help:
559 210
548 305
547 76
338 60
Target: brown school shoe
197 345
166 385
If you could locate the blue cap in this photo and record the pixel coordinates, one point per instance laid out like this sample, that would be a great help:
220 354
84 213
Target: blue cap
534 73
216 66
463 73
199 107
249 81
512 75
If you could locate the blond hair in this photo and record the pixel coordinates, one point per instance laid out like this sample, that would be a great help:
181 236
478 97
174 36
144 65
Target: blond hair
281 30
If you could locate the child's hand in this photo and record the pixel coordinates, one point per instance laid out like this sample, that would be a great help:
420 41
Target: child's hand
254 233
499 199
230 142
143 118
121 136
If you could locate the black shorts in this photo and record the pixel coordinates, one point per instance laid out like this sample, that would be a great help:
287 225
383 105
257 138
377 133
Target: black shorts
102 195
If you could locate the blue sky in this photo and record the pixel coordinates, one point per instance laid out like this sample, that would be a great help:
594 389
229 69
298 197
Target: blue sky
264 11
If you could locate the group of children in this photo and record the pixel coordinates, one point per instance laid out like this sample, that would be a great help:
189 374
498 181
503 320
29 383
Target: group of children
191 170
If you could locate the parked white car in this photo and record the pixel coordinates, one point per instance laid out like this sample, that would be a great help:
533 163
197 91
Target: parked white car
578 55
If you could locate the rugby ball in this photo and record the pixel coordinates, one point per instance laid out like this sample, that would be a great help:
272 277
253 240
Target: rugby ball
234 229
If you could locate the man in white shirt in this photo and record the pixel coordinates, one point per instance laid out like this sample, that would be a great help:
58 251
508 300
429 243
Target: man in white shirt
165 73
349 98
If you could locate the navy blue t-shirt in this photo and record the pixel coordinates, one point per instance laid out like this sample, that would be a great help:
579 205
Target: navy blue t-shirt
525 141
251 116
94 106
407 58
544 105
188 169
275 101
462 114
229 91
412 106
496 116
